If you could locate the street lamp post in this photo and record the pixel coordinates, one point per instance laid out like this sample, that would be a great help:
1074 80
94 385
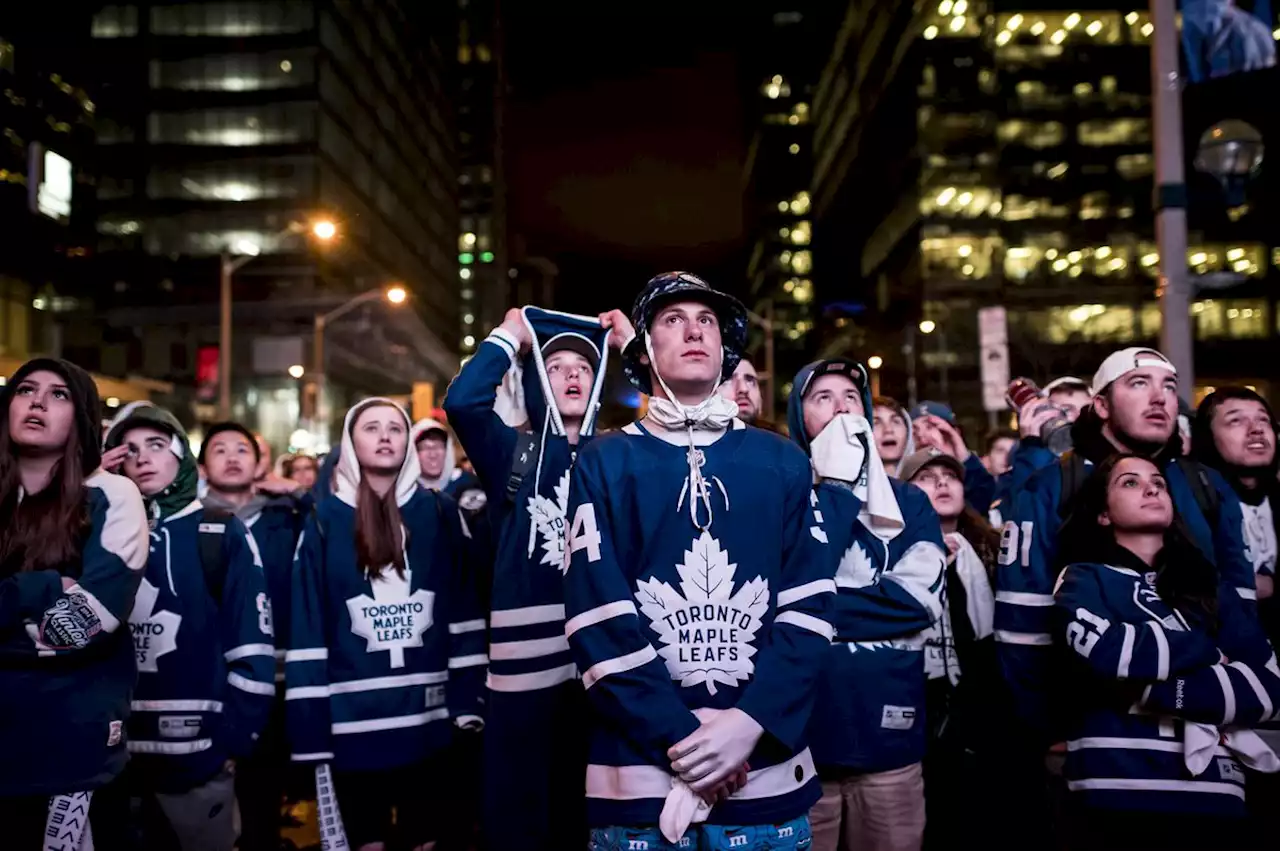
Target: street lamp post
1174 289
394 295
229 264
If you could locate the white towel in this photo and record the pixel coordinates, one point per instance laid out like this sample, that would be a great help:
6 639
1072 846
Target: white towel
682 808
1200 742
846 451
980 600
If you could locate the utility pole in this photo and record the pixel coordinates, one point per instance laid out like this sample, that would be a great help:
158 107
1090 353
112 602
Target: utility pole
1174 288
224 338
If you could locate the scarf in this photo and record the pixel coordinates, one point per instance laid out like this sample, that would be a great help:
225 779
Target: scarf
713 414
940 657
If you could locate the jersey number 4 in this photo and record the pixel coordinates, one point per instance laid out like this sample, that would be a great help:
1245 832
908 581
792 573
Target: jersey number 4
583 534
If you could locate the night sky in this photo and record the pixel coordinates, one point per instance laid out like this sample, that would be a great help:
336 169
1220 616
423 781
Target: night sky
625 144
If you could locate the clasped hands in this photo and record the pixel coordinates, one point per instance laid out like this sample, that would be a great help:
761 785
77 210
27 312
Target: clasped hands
713 758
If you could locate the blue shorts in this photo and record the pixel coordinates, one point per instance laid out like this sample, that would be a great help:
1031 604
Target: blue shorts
791 835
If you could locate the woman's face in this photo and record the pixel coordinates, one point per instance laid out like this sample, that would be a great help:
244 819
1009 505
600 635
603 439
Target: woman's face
944 489
1137 498
381 437
41 413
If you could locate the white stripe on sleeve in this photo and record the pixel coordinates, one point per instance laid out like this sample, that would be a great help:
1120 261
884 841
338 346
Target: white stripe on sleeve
246 650
809 622
618 665
594 616
1228 694
251 686
809 589
1126 651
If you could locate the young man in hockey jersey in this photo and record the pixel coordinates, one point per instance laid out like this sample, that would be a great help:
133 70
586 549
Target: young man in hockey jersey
534 743
1134 410
698 589
203 634
274 510
868 730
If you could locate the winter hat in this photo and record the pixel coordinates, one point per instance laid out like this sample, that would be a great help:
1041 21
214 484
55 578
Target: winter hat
682 286
1125 361
84 396
182 490
219 428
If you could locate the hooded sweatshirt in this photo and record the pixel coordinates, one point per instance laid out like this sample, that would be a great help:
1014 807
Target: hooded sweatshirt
202 633
377 666
527 603
66 667
869 712
1259 504
1030 564
446 476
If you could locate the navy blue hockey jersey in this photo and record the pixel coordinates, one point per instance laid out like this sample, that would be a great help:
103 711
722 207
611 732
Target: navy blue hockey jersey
869 714
276 529
376 669
205 667
1139 671
665 618
528 650
66 664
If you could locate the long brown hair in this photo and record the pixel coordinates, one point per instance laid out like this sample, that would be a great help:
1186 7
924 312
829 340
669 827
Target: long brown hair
379 532
45 530
982 536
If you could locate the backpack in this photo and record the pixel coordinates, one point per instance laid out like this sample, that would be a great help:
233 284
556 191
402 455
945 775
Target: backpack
213 561
1074 471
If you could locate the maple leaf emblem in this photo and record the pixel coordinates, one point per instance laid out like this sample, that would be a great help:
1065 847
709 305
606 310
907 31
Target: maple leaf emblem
548 516
856 569
154 633
393 619
706 628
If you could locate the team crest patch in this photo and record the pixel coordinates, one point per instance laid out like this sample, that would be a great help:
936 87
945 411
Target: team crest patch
154 633
706 627
70 624
393 619
115 732
548 518
472 500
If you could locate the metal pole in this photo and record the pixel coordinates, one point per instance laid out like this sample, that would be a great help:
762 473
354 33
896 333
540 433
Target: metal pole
1174 289
943 354
768 360
909 349
317 369
875 382
224 339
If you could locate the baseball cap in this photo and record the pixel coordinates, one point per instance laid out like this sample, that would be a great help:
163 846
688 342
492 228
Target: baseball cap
917 461
941 410
570 341
1066 382
1125 361
835 366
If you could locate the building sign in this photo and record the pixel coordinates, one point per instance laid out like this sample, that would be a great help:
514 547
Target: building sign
993 343
49 176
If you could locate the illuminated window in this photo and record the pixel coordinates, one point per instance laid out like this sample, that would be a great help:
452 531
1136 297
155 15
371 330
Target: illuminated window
1033 134
800 204
233 19
1081 323
801 233
1232 319
1135 166
776 88
482 53
1018 208
239 72
802 262
1114 131
116 22
962 256
1094 205
274 124
466 241
960 201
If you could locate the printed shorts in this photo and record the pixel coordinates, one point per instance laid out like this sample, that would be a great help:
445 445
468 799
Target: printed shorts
791 835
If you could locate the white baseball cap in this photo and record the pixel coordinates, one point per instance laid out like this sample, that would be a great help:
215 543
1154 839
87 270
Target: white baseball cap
1125 361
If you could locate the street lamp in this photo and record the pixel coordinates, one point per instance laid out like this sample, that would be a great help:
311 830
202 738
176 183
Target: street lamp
394 295
240 253
927 326
874 363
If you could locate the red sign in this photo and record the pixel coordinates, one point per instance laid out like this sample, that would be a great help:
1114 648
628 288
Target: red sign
207 373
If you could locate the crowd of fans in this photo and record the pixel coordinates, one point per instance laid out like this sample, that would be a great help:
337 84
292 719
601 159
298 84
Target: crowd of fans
505 627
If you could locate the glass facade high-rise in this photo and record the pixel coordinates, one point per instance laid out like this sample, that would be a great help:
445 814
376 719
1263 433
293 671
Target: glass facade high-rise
224 123
482 241
1001 153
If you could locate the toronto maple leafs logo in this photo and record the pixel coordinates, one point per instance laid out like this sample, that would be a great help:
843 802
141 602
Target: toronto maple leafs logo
548 515
393 619
706 628
856 569
154 633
